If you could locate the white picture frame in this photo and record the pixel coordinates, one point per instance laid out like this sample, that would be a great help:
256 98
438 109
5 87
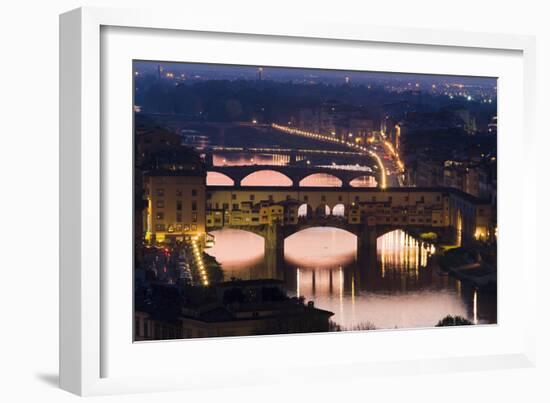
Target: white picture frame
85 344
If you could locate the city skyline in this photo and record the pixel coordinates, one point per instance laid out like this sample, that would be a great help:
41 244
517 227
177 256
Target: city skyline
250 72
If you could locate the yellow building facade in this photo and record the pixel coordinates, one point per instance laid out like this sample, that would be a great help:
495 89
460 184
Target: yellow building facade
438 207
175 207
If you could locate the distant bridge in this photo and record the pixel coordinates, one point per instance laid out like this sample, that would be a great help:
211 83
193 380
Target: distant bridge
295 173
283 151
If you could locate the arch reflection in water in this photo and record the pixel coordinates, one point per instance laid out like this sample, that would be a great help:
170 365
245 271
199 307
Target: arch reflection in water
397 288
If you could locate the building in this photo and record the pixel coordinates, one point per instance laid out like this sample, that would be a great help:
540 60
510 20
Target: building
308 118
175 205
271 213
150 140
493 126
361 127
468 121
156 313
475 178
459 175
232 308
427 172
148 326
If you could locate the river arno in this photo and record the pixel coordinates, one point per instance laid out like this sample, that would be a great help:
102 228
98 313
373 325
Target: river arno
398 288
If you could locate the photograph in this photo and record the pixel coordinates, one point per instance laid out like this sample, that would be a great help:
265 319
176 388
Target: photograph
265 202
273 200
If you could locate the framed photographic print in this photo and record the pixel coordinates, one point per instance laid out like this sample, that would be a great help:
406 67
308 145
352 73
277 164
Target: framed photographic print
235 192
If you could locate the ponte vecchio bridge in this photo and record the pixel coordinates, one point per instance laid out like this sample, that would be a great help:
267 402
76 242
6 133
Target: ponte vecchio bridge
294 173
275 213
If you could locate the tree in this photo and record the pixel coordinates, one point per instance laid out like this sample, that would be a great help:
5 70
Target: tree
453 321
428 236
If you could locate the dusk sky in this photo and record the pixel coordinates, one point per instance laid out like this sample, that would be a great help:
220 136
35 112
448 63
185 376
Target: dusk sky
220 71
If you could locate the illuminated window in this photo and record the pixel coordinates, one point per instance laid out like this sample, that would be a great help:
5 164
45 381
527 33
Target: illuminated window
160 203
160 215
193 227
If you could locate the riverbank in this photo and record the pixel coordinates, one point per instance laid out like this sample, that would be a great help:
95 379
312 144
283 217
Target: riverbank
474 265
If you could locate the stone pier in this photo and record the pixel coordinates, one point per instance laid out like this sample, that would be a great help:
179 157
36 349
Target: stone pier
366 242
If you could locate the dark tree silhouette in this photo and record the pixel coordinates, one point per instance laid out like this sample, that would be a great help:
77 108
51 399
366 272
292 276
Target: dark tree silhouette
453 321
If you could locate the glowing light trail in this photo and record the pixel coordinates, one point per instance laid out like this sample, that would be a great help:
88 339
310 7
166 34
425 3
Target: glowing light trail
329 138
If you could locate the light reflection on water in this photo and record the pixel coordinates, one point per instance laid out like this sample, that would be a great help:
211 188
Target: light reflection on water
396 289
